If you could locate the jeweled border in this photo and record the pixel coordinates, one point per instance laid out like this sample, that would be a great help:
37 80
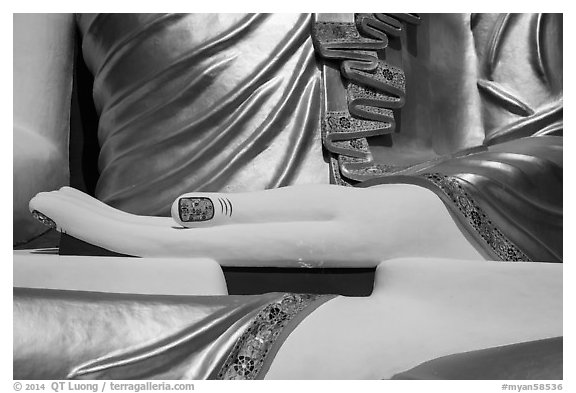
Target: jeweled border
271 320
475 216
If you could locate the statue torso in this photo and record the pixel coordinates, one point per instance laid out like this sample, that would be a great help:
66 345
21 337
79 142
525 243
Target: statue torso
204 102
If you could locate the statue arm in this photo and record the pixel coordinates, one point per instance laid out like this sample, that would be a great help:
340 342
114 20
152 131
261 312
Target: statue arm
316 225
460 208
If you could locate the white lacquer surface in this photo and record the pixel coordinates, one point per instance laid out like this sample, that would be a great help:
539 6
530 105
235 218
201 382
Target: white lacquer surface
162 276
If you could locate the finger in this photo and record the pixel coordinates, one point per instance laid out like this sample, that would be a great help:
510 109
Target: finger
298 203
78 197
290 244
86 224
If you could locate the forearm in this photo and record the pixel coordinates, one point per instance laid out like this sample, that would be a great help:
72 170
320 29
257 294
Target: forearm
55 331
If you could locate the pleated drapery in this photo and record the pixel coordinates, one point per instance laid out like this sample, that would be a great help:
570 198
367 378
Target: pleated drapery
202 102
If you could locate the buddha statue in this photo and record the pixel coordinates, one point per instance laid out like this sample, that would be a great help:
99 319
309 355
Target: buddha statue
427 146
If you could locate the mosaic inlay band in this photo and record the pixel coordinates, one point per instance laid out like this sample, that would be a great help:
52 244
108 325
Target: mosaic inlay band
247 358
339 35
44 219
373 87
475 216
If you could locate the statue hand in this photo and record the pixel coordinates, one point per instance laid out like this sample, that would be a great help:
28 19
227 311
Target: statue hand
302 226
